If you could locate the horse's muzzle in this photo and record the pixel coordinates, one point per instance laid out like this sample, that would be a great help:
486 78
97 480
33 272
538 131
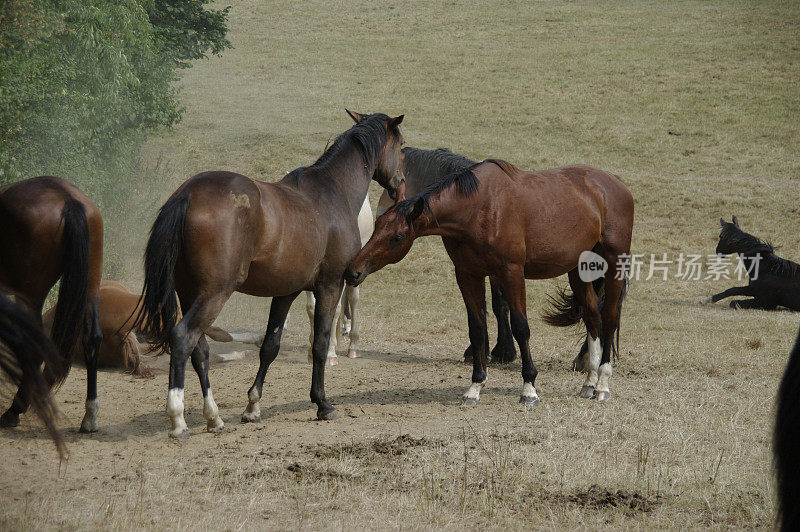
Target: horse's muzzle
356 277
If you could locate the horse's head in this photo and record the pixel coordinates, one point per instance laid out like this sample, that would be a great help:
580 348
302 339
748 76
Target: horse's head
389 168
728 243
391 240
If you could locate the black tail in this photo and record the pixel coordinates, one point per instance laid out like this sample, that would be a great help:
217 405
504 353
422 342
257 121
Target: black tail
786 441
159 310
70 319
566 311
23 349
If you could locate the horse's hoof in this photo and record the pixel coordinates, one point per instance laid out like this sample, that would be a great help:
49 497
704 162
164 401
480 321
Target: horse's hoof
705 300
179 434
248 417
88 429
470 401
9 420
503 354
529 401
602 396
352 353
332 361
214 428
327 415
587 392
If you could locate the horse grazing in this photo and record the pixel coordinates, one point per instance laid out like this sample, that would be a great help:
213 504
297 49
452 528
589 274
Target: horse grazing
345 322
499 221
421 168
773 281
51 230
222 232
786 441
24 348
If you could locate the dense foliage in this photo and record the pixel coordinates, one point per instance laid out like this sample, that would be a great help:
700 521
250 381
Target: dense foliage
81 81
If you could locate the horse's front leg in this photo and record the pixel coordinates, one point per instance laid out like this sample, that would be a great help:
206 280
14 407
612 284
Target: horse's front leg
735 291
327 295
279 309
513 284
352 293
331 359
472 290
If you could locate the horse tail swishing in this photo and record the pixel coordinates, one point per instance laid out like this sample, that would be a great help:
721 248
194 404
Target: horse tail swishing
159 311
74 290
786 440
23 349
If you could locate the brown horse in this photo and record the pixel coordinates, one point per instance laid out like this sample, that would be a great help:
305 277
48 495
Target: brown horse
497 220
51 230
24 348
222 232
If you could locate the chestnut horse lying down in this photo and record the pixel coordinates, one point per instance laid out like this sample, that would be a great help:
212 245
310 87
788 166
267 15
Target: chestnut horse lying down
496 220
119 348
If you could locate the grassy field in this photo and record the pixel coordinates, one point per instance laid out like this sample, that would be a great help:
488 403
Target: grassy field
696 105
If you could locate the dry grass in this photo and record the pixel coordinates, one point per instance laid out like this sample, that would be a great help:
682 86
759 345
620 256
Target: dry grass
694 104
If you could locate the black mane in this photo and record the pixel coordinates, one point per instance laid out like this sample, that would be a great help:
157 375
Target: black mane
464 181
370 134
424 167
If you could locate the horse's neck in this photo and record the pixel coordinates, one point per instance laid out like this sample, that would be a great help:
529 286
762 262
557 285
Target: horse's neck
351 176
444 218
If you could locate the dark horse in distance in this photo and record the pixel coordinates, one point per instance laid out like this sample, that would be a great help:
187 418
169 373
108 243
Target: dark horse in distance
499 221
222 232
49 229
421 168
786 443
774 282
24 349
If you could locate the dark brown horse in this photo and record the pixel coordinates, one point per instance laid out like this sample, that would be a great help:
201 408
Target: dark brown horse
499 221
222 232
24 348
51 230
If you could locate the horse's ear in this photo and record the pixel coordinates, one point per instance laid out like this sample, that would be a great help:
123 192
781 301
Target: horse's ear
396 121
400 192
735 221
357 117
416 210
722 222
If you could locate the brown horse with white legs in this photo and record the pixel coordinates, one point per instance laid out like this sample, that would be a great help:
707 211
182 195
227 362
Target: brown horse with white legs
497 220
222 232
49 229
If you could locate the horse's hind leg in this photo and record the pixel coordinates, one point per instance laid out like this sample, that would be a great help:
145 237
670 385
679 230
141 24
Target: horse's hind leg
590 362
92 355
269 350
610 315
734 291
200 364
183 340
352 293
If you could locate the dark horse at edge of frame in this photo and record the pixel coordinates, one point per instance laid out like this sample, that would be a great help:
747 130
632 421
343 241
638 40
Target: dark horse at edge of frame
777 281
497 220
786 442
222 232
421 168
24 349
52 230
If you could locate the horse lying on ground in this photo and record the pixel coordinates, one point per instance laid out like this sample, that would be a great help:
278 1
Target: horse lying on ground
120 349
421 168
786 442
222 232
499 221
777 283
24 349
49 230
